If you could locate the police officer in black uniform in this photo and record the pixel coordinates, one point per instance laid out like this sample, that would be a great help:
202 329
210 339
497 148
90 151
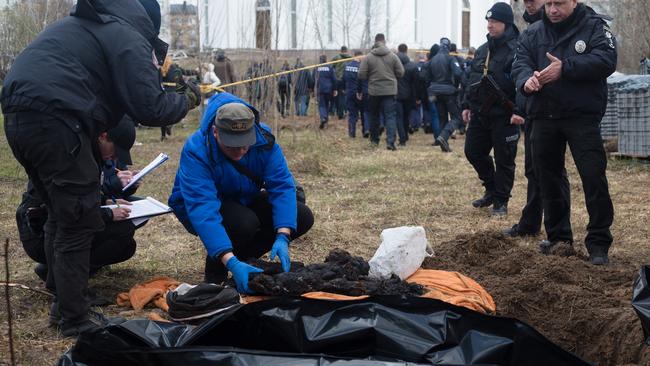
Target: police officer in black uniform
562 64
488 106
73 82
530 221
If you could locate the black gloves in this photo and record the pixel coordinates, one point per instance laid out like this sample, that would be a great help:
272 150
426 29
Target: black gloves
192 93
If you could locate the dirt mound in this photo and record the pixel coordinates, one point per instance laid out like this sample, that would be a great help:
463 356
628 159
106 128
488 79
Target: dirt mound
585 309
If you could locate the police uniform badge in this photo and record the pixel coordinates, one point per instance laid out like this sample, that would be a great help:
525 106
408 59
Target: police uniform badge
609 36
581 46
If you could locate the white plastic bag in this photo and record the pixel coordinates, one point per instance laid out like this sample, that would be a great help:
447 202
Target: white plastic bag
402 251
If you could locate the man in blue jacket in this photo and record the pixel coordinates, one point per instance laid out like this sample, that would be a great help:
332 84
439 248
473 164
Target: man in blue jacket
356 97
218 192
326 87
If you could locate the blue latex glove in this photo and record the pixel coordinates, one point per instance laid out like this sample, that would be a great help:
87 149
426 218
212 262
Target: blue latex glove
240 272
281 249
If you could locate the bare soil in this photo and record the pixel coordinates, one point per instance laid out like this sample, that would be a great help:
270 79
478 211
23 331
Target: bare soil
583 308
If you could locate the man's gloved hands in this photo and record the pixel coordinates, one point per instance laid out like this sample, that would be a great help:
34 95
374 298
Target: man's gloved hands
191 91
281 249
240 272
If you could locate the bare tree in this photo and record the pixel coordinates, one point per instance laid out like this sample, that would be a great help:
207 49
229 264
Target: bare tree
631 24
21 22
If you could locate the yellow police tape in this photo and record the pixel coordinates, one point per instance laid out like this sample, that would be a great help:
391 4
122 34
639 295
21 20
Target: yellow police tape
205 88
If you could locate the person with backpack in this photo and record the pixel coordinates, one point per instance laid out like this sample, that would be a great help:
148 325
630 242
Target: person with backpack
233 189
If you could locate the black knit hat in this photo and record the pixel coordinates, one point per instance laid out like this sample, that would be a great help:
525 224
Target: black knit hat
501 12
153 11
123 137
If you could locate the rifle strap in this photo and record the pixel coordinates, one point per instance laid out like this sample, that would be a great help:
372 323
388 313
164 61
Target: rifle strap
486 67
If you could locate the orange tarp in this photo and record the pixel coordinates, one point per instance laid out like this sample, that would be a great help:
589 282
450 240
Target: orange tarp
153 290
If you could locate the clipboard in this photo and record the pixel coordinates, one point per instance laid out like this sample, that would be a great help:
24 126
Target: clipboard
155 163
142 210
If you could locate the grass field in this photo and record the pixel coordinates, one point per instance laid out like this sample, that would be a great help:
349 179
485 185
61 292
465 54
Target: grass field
354 190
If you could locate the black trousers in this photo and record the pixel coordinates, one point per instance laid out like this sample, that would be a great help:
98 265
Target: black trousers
114 244
493 133
404 108
252 233
533 212
447 105
549 142
58 158
283 104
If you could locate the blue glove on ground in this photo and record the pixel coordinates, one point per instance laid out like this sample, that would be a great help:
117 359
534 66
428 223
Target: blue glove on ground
240 272
281 249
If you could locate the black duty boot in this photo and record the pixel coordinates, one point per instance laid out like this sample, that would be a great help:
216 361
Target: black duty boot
391 147
444 145
516 231
598 258
546 246
485 201
500 209
41 271
322 124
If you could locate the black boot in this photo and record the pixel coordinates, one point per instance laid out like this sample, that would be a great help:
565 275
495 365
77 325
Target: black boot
485 201
41 271
500 209
515 231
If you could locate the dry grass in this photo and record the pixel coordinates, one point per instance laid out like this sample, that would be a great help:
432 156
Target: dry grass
354 190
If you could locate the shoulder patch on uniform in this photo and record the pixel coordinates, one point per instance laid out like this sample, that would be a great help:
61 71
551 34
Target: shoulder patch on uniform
609 36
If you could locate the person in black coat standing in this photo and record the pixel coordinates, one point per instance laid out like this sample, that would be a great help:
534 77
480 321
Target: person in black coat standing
488 106
530 222
562 65
72 83
405 94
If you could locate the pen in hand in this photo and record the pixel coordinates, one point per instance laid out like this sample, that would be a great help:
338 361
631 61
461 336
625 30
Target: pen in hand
115 201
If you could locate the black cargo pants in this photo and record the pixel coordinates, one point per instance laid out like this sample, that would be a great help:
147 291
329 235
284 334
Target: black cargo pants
493 133
58 157
550 139
532 213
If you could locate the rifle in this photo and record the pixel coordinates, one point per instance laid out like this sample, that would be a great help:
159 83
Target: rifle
494 95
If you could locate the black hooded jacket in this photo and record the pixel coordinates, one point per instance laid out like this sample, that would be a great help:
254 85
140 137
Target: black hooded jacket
94 65
502 55
406 84
444 73
587 48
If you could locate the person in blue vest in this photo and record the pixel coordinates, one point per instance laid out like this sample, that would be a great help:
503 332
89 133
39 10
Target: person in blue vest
356 97
326 87
234 190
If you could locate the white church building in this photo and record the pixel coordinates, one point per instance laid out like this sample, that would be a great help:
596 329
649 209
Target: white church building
328 24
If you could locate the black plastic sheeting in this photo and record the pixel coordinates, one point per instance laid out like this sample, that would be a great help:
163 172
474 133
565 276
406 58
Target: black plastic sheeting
641 301
293 331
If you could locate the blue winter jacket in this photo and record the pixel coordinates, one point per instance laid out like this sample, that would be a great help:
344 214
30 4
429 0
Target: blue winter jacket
325 79
352 82
205 178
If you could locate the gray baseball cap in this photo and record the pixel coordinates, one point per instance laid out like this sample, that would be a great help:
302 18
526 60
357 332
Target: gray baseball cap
236 125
